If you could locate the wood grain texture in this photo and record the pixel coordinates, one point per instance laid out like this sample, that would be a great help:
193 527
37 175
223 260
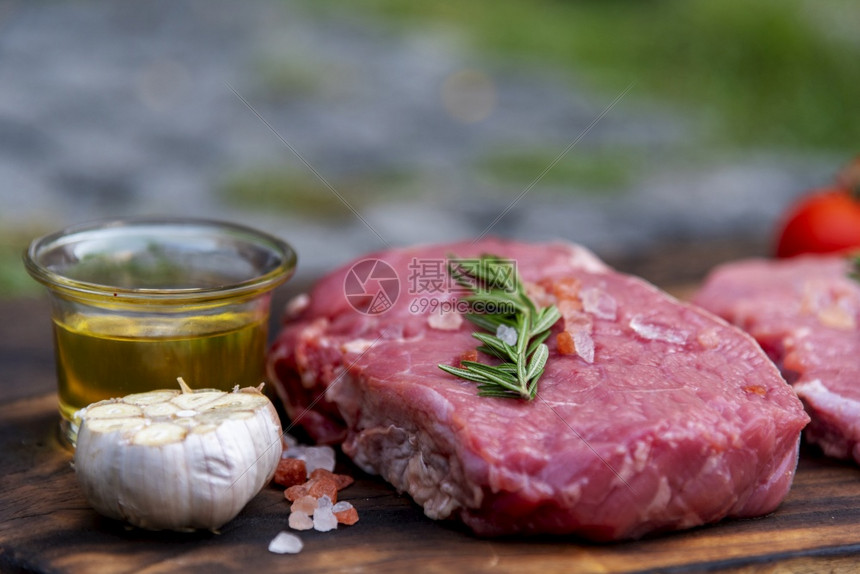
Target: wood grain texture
46 525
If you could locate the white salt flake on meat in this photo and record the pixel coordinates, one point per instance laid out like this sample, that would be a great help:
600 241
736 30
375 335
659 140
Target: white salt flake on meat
709 338
580 327
445 321
584 345
300 521
286 543
831 302
324 518
656 331
838 316
296 305
583 259
599 303
357 346
507 334
538 294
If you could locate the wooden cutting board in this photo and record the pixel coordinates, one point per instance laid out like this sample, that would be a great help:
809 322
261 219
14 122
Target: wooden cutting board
46 525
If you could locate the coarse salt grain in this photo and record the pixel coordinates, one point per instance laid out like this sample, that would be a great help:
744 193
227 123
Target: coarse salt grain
323 486
584 345
445 321
295 492
324 521
507 334
314 501
357 346
314 456
599 303
306 504
297 305
709 338
290 471
656 331
578 327
324 518
342 480
300 521
286 543
345 513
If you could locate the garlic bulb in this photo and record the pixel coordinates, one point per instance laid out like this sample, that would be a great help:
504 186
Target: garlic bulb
177 460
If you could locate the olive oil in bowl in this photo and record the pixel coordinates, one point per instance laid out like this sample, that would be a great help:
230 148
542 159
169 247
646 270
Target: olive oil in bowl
137 303
105 357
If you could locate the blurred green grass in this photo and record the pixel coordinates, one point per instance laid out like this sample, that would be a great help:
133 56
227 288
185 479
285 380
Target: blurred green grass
14 279
296 191
767 74
781 74
593 171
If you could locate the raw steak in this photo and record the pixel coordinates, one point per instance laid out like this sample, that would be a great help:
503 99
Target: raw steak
664 418
804 312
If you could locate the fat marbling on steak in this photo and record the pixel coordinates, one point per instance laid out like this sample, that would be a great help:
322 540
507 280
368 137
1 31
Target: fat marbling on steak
804 312
664 418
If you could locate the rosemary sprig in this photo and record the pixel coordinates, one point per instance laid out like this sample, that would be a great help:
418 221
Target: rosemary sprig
516 328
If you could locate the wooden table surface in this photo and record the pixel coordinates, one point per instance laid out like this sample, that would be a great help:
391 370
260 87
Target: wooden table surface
46 525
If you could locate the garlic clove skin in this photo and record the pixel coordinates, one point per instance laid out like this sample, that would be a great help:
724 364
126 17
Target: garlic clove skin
170 460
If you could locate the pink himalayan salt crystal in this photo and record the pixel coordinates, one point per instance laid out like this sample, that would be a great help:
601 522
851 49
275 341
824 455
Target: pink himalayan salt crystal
345 513
578 326
306 504
300 521
314 456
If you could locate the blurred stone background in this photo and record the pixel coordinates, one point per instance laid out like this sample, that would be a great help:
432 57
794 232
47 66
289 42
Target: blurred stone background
631 127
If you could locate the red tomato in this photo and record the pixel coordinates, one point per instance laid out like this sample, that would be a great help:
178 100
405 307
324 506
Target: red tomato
826 221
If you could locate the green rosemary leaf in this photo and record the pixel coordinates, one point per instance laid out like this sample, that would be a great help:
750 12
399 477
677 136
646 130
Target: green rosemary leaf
546 319
490 271
492 374
522 334
493 285
507 367
490 391
533 386
523 296
464 374
486 322
491 341
538 362
492 352
503 350
512 352
536 342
